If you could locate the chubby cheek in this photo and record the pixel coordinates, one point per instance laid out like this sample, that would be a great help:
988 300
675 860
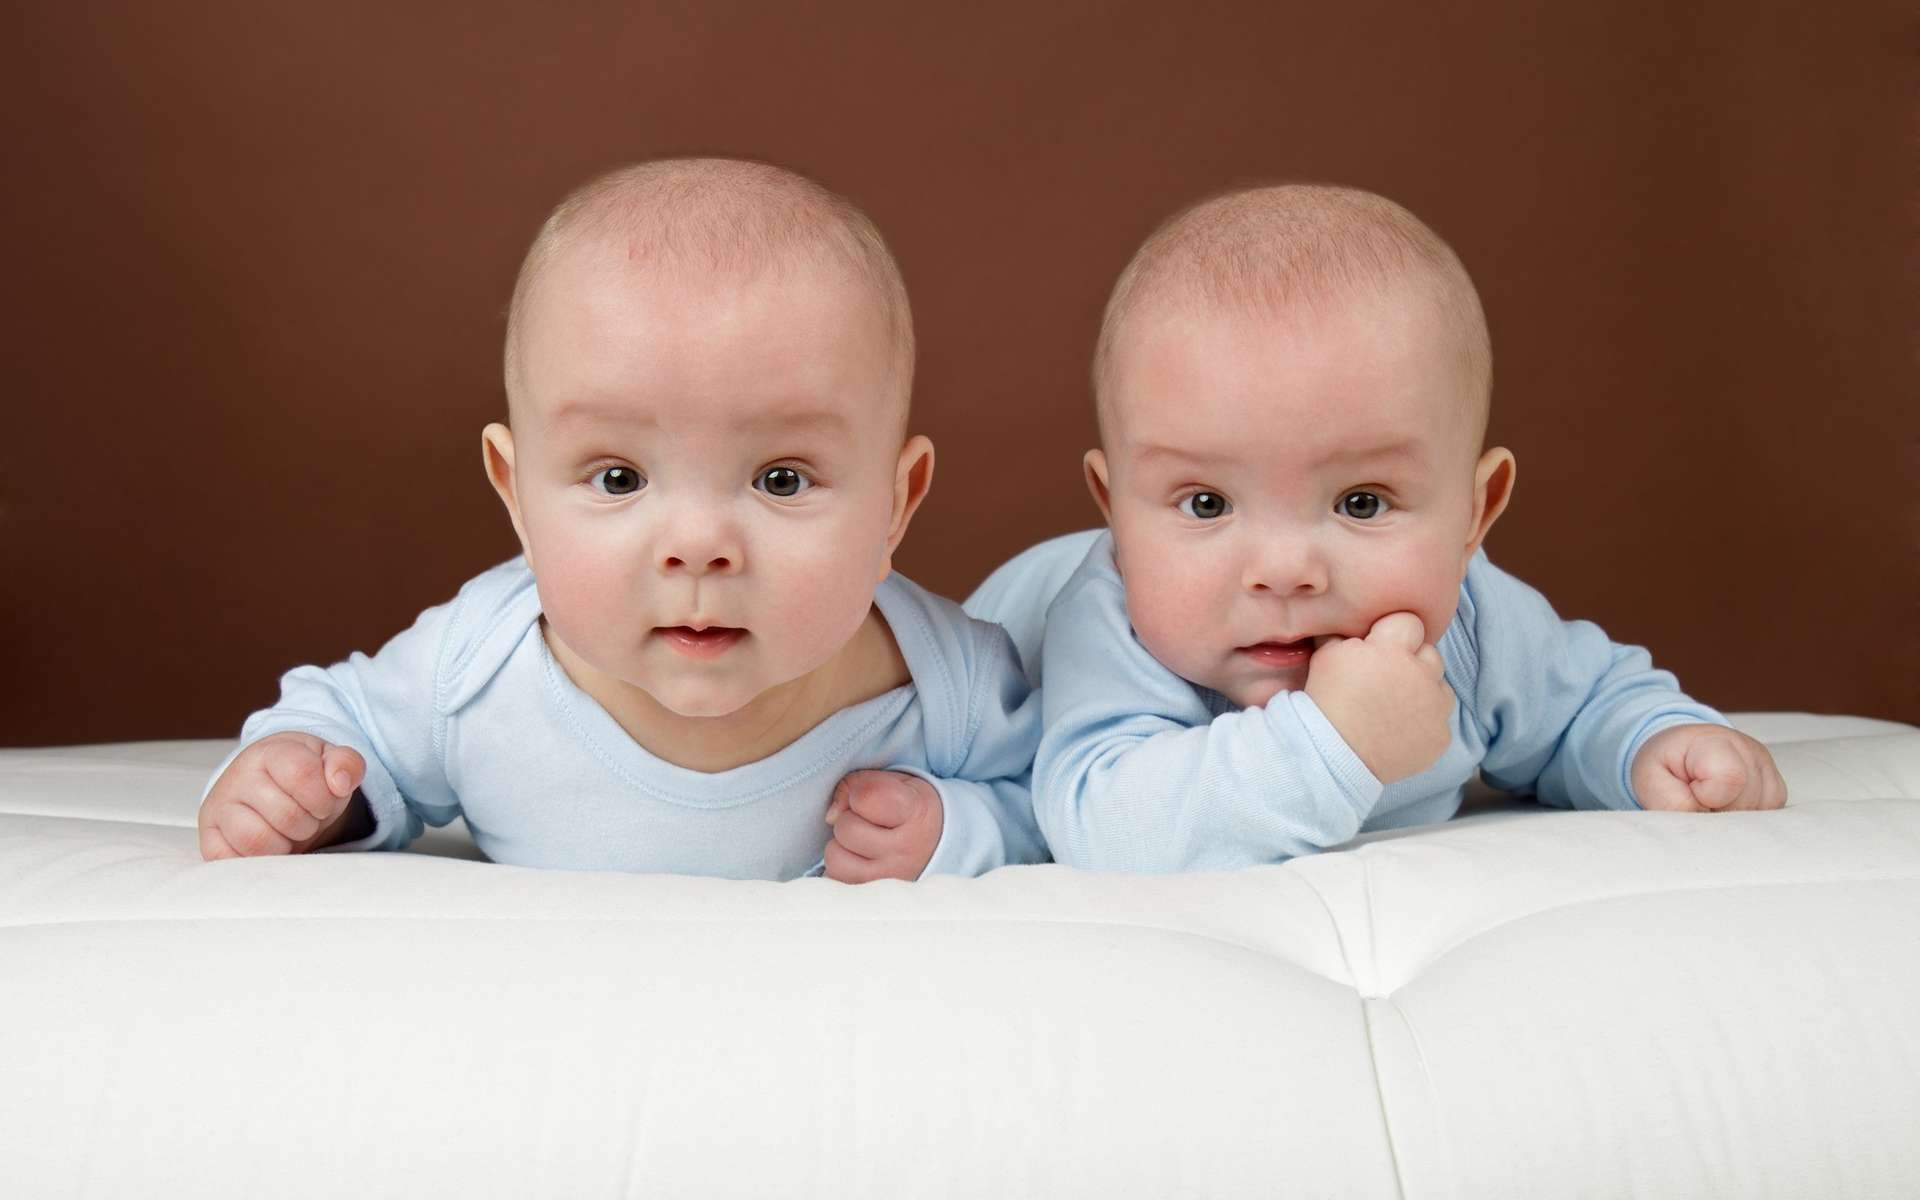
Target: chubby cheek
588 586
811 592
1175 604
1424 582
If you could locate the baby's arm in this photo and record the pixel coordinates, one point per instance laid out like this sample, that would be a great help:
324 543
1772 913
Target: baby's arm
1135 773
1584 722
364 727
910 821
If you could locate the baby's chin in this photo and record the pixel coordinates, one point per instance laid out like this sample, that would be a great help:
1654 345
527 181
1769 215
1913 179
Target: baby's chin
1255 693
703 701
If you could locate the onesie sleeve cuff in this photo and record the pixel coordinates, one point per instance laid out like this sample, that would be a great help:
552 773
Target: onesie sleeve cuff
1359 785
969 838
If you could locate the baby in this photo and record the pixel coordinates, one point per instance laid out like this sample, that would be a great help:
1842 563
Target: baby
1289 633
703 662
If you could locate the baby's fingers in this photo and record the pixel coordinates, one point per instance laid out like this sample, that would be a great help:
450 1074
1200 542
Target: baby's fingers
1662 791
1718 771
1400 629
863 837
1773 788
844 866
342 768
1429 658
299 772
248 833
886 798
214 845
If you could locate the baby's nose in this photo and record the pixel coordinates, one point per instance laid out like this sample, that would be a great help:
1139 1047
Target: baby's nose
718 563
699 547
1287 571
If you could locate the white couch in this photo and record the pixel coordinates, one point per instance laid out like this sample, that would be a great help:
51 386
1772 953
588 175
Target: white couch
1522 1002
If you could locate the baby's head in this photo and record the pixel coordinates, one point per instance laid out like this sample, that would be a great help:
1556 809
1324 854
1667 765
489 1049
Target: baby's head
1293 385
708 365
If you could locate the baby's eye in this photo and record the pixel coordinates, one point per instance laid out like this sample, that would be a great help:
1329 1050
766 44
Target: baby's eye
1361 506
783 482
1206 506
617 481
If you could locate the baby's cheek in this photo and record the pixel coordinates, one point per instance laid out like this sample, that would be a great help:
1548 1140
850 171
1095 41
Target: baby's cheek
1424 588
817 589
584 591
1173 619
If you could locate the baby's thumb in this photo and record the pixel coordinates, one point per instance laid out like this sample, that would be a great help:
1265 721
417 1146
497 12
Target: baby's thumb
343 769
1402 630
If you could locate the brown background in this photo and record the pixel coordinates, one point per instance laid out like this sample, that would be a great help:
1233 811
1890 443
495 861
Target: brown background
258 257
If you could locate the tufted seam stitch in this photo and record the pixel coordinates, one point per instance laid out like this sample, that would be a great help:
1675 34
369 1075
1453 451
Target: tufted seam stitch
1825 881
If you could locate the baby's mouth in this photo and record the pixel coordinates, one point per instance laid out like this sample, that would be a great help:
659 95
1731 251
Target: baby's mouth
1279 654
706 641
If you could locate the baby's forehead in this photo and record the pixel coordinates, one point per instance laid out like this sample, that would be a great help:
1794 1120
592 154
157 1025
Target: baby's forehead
1225 382
605 341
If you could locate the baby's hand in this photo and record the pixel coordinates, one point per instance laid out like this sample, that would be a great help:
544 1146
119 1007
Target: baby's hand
885 826
278 796
1706 768
1387 695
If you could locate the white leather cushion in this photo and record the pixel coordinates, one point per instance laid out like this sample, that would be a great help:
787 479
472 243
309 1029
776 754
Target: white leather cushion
1518 1003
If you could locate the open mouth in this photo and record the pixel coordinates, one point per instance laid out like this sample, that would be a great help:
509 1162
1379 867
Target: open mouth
708 641
1279 654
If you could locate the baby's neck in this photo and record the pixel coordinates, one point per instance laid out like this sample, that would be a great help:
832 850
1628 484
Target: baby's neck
869 665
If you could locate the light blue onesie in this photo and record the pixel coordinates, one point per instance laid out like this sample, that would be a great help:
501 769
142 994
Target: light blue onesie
1139 770
467 714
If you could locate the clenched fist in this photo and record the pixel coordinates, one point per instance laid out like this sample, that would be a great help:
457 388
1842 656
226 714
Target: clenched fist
1706 768
281 795
1387 695
886 825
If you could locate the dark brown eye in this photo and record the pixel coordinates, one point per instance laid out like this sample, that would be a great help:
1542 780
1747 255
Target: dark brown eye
784 482
1206 505
1361 506
619 481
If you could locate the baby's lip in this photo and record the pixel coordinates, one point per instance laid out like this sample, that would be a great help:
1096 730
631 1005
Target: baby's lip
1284 656
1299 643
700 640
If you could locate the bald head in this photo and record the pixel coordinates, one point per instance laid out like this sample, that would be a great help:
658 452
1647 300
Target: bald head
1297 250
717 217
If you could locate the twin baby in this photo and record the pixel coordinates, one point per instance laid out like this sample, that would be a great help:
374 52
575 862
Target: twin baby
703 663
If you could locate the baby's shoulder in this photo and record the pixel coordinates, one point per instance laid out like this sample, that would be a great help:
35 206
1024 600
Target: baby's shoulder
938 637
1490 594
484 624
963 668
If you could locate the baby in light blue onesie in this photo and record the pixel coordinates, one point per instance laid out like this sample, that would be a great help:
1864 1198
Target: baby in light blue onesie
1289 633
703 662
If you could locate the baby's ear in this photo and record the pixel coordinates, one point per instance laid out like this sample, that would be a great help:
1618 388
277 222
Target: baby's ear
1095 466
912 477
1492 488
496 452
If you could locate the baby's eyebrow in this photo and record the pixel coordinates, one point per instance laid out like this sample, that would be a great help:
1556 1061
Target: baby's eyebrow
797 418
800 418
1394 448
1155 450
589 409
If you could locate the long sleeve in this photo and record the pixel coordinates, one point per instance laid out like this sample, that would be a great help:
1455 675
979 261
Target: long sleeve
987 818
382 706
1563 709
1136 773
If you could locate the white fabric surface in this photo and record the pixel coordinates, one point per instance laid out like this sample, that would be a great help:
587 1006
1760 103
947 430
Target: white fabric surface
1522 1003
